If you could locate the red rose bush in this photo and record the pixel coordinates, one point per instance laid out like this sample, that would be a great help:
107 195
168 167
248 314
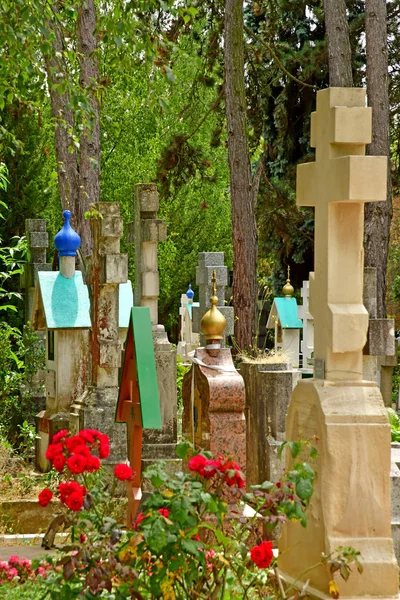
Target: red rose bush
190 539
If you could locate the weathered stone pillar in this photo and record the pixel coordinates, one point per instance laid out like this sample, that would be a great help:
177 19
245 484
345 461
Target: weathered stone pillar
268 391
344 414
38 242
106 269
209 262
146 232
380 353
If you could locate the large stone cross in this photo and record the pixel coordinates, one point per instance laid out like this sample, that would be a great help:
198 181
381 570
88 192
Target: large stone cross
338 184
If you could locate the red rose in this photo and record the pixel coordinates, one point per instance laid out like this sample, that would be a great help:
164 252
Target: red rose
53 450
164 512
69 487
74 444
74 501
60 435
76 463
141 516
210 468
103 438
45 497
235 477
123 472
262 555
59 462
93 464
82 538
87 436
104 451
197 463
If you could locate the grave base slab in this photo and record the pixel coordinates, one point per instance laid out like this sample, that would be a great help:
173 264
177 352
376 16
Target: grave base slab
350 506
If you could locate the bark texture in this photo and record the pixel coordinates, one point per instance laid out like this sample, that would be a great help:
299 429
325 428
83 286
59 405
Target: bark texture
89 184
243 187
378 215
339 49
67 161
78 172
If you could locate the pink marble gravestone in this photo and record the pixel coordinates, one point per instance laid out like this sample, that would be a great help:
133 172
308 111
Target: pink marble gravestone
214 394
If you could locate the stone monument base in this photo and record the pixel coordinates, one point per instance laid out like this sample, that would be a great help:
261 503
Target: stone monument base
347 422
46 427
95 409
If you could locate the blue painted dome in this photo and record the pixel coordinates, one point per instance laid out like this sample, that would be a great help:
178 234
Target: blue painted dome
190 292
67 241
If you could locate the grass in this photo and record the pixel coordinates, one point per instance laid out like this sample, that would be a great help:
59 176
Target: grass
26 591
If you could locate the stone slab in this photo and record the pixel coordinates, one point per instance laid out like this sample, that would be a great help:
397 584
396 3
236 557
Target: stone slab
35 225
153 230
211 259
38 239
114 268
204 275
380 340
111 226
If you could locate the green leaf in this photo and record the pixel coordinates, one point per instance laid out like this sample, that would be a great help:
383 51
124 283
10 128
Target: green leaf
182 449
191 546
304 489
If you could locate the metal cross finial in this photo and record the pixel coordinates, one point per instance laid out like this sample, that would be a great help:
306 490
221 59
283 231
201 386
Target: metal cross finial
214 282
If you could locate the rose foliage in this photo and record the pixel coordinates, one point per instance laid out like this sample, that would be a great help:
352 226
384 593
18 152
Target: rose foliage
192 538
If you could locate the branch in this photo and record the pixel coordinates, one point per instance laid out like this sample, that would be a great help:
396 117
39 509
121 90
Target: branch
212 107
276 59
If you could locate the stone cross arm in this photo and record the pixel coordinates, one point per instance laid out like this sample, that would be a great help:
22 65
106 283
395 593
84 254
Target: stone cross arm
341 172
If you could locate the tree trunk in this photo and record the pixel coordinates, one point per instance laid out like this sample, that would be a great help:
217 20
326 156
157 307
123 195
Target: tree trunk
89 184
243 188
378 215
67 161
339 50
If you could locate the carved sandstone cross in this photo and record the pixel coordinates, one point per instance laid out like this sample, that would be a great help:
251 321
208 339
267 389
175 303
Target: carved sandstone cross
338 184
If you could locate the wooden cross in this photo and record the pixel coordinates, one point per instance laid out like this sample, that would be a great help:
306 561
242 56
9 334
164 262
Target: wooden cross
338 184
138 400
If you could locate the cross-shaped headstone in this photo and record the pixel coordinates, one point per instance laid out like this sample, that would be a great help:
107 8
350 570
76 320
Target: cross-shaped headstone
307 344
208 263
338 184
146 232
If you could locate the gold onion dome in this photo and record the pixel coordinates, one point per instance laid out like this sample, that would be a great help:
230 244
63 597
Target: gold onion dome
288 289
213 322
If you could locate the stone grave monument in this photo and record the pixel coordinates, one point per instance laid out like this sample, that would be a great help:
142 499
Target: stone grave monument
351 501
380 353
146 232
61 309
189 340
213 392
107 268
38 241
208 263
286 324
307 343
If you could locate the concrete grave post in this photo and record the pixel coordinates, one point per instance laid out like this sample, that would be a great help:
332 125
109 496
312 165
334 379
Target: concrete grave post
307 343
189 340
146 232
38 242
379 355
209 262
107 268
345 414
269 387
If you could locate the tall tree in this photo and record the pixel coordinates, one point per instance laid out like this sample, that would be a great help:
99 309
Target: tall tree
243 185
78 155
378 215
339 49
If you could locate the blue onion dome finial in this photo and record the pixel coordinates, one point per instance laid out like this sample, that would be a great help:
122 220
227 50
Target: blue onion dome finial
190 293
67 241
